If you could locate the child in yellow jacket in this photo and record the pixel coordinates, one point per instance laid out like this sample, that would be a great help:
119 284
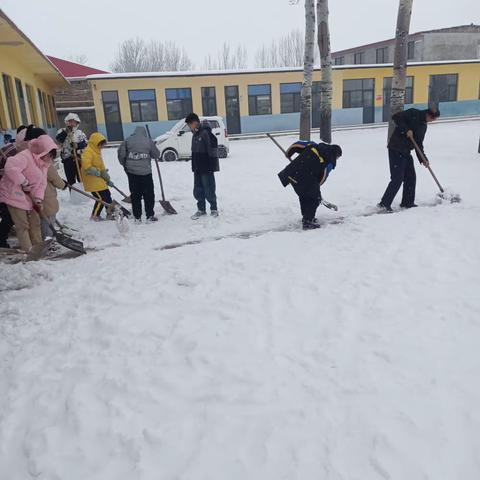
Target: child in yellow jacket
95 177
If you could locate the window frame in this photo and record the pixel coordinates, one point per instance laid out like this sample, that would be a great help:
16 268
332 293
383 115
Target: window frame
296 98
411 51
339 60
10 101
209 101
134 103
184 102
21 101
384 53
348 93
43 112
31 101
361 55
449 86
254 100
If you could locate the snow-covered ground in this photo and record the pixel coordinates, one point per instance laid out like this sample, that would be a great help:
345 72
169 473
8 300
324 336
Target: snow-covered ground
347 353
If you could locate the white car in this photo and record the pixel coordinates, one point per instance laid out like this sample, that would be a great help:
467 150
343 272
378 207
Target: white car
177 143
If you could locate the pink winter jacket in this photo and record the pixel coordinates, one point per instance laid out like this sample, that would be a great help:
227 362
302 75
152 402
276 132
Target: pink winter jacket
29 166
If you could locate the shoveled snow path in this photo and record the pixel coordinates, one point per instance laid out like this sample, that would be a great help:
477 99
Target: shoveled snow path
346 353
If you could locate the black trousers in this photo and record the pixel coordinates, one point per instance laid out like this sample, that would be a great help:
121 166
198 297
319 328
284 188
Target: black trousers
308 207
6 223
141 187
71 170
98 207
402 170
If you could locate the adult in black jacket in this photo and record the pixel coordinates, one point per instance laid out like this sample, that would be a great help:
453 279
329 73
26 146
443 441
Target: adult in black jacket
307 172
204 164
410 124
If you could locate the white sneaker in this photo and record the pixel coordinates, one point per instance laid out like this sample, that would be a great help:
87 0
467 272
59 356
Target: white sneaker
138 221
198 214
214 213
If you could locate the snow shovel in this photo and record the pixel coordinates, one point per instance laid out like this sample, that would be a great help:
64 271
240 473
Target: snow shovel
166 205
61 238
326 204
126 198
114 206
450 197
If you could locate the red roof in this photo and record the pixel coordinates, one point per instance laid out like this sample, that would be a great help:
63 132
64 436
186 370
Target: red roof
73 70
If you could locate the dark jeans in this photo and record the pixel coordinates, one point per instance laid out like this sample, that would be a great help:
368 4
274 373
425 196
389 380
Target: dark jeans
98 207
402 170
6 223
71 170
204 188
308 207
141 187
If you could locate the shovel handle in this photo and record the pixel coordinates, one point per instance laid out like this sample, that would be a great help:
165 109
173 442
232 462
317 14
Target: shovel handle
278 145
120 192
158 167
424 159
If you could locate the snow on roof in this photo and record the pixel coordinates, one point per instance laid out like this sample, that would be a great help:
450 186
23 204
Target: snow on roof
74 70
200 73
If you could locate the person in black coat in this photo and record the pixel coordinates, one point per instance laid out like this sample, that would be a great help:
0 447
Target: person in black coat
307 172
204 164
411 123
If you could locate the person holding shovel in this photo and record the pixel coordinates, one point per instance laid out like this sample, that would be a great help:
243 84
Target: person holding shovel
96 179
409 125
72 141
135 155
22 188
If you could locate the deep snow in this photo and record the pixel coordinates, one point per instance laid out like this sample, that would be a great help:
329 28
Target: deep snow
346 353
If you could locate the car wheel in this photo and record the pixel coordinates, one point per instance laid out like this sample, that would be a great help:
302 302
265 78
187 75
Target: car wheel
169 155
222 151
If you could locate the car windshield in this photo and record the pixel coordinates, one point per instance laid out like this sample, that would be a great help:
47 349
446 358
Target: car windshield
213 123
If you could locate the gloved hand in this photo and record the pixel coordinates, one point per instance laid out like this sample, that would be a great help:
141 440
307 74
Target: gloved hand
94 172
104 174
26 187
110 183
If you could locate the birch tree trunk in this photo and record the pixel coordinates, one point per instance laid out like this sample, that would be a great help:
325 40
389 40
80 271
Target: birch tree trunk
326 66
399 81
308 61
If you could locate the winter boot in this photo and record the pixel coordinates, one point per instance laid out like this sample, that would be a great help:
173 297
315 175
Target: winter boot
4 244
214 213
138 221
413 205
198 214
383 208
152 219
310 224
94 218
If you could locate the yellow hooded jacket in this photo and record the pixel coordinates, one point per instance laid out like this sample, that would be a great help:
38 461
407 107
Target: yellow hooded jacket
92 157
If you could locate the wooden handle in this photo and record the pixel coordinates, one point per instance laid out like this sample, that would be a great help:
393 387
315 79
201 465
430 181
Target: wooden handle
424 158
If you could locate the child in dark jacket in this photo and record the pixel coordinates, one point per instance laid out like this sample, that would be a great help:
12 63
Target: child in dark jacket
307 172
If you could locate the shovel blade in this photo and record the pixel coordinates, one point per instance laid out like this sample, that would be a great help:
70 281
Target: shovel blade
167 206
450 197
69 242
127 199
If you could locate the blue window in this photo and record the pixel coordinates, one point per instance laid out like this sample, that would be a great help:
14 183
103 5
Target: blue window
290 97
259 99
179 102
143 105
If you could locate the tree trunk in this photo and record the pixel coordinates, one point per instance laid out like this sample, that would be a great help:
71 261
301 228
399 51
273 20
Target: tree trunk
399 81
326 66
308 61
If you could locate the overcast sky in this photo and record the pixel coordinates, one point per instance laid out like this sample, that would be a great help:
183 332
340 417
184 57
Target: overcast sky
96 27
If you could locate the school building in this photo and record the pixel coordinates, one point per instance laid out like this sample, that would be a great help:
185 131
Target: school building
254 101
28 80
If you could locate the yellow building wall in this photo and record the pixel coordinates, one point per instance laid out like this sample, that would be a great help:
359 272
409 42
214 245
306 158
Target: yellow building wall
469 78
11 66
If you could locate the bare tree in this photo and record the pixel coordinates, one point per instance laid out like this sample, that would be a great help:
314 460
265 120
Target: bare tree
287 51
131 56
227 59
80 58
134 55
399 81
326 66
309 58
166 57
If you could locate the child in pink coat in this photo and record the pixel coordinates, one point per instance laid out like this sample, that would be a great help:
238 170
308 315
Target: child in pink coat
23 185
